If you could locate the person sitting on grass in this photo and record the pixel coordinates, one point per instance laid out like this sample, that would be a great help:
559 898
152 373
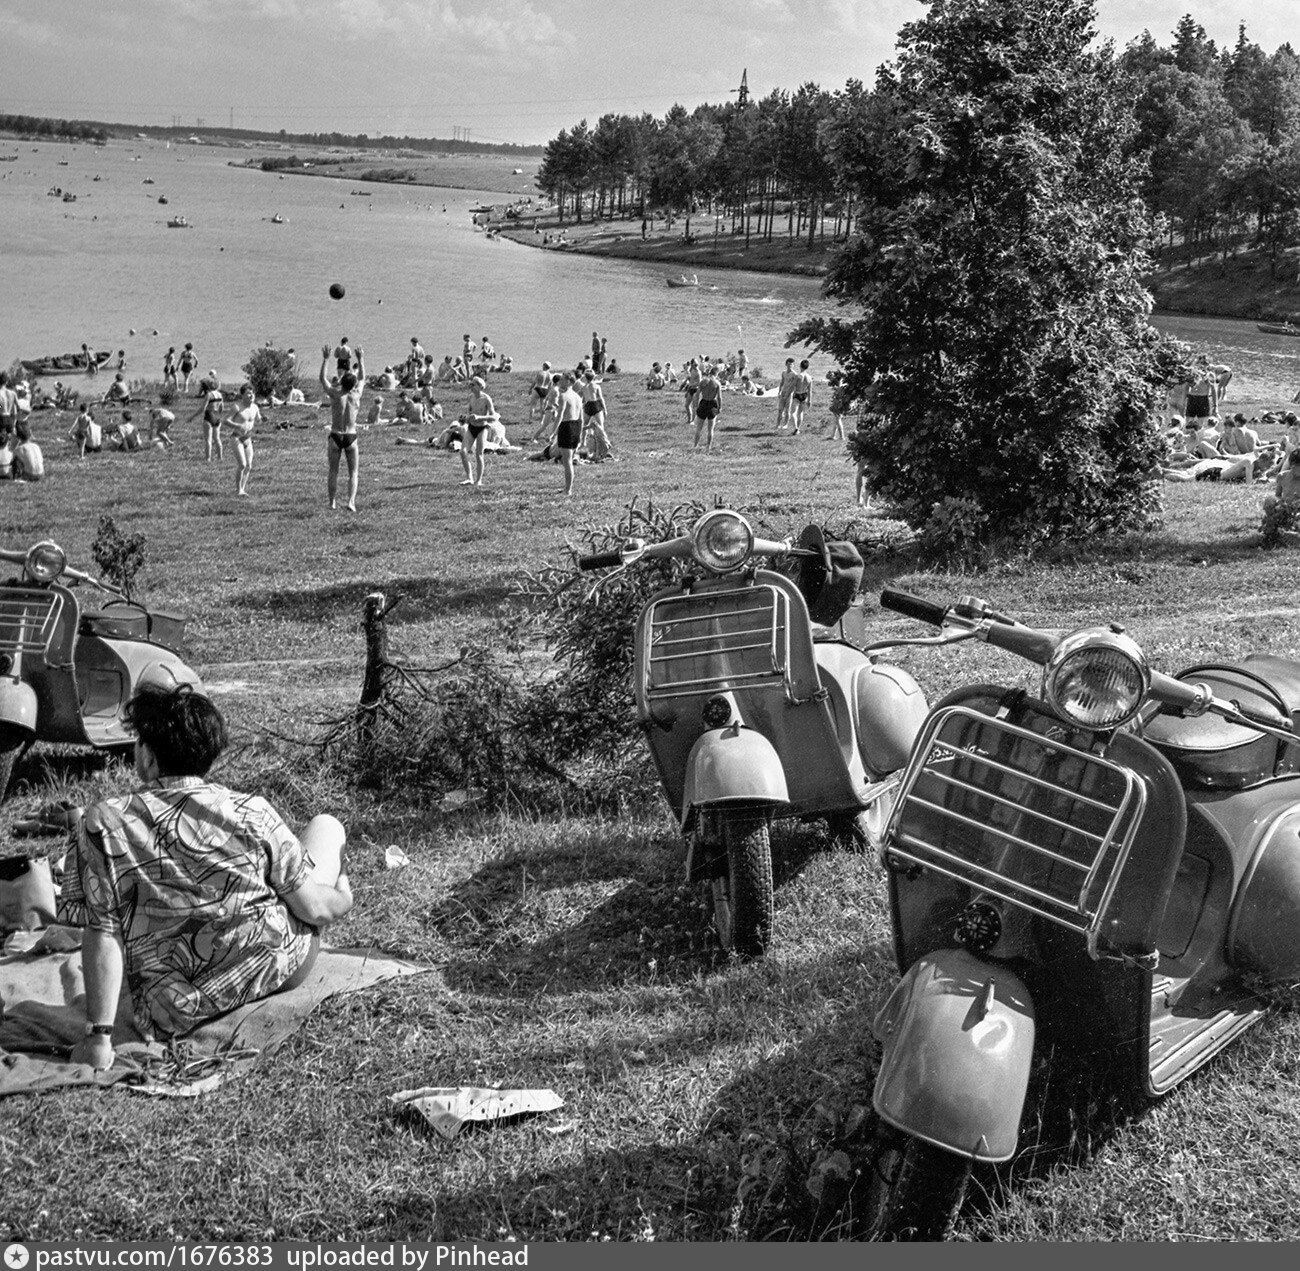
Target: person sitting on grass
203 896
124 435
118 394
29 463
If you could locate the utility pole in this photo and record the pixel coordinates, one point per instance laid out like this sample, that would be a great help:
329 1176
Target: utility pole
742 93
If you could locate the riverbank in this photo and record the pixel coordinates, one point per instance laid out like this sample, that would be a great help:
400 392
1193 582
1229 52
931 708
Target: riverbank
661 244
1244 286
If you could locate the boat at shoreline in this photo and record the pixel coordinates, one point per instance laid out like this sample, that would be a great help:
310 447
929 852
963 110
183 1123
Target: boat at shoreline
63 363
1278 328
683 281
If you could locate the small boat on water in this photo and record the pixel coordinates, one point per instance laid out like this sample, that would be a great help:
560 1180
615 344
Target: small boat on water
69 197
683 281
63 363
1278 328
277 219
147 181
162 198
8 158
178 222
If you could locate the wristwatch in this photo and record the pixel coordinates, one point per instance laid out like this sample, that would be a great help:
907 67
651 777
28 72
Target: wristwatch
99 1030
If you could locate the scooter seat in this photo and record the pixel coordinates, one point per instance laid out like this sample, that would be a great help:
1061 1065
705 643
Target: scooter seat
117 624
1211 753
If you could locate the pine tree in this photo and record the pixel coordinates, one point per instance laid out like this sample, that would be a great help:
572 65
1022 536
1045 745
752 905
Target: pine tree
1003 347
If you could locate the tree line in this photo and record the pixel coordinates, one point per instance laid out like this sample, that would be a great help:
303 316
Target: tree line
1217 138
38 126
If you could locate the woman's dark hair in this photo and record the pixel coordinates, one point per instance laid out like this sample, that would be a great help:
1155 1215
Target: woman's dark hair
184 729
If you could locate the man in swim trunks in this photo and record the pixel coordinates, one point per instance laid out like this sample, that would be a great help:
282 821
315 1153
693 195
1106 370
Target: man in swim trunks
800 396
784 389
541 385
708 405
482 414
568 432
593 412
345 406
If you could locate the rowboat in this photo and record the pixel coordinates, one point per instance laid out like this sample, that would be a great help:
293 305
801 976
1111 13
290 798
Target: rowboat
178 222
1278 328
683 281
63 363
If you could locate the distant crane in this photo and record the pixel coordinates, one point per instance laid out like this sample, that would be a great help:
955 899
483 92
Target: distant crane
742 93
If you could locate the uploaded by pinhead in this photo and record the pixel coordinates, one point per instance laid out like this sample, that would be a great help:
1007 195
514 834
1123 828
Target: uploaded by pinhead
395 858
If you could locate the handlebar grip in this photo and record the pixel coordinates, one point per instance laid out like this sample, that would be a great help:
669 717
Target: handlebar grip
913 607
600 560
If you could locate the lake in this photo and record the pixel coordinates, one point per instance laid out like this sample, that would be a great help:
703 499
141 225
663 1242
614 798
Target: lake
94 269
410 261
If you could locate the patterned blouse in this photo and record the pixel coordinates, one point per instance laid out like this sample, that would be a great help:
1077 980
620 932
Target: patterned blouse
189 876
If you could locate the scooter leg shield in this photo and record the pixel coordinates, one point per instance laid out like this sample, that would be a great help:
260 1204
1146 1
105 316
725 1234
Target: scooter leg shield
18 704
733 765
958 1037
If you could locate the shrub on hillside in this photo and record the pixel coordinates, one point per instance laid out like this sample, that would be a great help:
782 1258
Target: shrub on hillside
271 372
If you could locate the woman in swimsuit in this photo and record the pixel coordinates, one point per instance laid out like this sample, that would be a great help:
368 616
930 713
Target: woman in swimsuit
211 411
245 418
482 414
189 364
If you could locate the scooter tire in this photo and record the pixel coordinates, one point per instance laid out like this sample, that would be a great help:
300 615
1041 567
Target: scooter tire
748 889
916 1191
13 741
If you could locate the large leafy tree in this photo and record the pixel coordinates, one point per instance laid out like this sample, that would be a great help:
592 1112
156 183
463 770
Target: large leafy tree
1001 338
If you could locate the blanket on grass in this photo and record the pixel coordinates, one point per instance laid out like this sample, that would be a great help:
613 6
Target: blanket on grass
44 1016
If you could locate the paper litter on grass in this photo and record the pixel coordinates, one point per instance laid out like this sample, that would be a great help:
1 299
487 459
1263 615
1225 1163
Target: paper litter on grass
447 1108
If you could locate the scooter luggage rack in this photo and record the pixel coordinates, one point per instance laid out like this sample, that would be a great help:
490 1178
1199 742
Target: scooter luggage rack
1072 881
28 619
742 632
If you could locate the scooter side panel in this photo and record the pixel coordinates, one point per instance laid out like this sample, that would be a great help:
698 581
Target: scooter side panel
958 1038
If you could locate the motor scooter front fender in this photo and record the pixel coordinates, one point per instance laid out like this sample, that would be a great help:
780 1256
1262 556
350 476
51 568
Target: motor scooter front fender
17 704
732 765
958 1037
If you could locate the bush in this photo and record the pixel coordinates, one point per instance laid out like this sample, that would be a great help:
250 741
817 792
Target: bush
120 557
271 372
1281 524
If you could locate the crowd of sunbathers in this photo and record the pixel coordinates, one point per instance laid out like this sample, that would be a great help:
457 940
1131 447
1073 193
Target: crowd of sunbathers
1228 449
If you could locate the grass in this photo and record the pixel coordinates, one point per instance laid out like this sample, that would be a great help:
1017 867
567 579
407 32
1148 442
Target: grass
703 1100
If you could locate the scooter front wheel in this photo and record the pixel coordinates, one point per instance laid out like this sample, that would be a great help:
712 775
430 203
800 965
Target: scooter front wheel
915 1191
13 741
742 898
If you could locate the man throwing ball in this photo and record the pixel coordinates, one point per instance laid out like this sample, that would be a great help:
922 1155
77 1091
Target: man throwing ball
345 408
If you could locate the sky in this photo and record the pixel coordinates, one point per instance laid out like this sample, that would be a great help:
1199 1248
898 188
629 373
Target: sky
492 70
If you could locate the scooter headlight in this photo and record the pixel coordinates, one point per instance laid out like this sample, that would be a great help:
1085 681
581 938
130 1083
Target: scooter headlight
722 541
1096 678
45 562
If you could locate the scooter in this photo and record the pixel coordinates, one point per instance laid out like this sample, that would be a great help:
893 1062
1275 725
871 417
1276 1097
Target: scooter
65 675
1106 870
754 711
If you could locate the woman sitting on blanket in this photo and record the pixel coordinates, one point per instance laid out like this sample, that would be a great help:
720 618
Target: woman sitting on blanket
203 896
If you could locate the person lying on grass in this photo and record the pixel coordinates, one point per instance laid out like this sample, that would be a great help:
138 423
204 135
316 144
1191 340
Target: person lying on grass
203 896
